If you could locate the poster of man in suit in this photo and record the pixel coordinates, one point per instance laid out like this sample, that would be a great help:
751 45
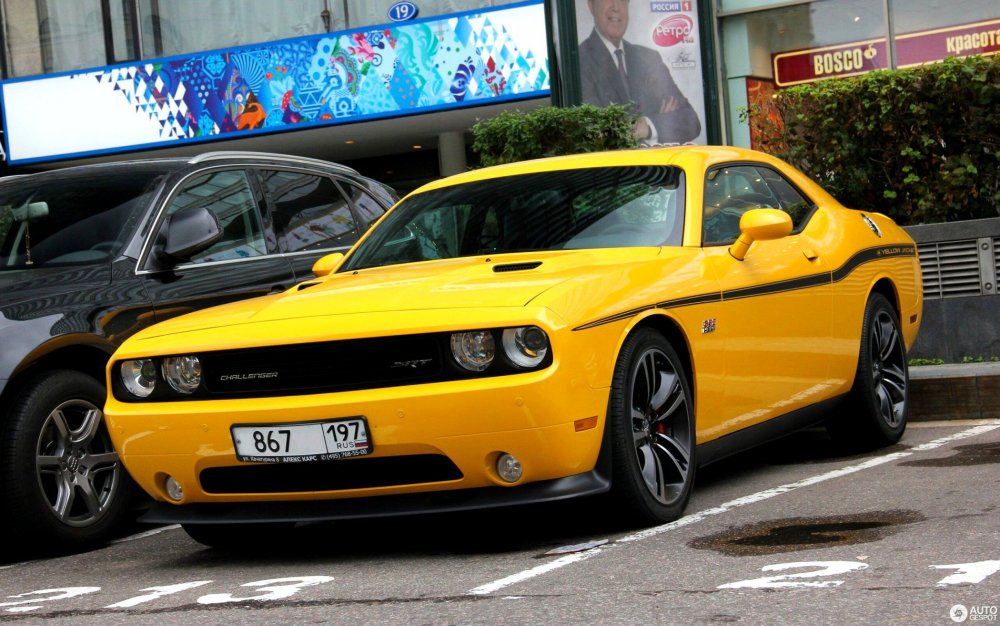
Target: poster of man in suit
644 53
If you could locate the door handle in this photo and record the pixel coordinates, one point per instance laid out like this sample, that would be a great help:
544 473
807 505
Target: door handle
277 289
810 254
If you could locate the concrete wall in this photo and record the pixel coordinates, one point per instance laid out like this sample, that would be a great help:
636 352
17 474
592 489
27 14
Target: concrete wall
966 326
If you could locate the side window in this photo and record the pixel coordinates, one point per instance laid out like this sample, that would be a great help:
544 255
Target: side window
226 193
310 213
368 208
729 193
789 198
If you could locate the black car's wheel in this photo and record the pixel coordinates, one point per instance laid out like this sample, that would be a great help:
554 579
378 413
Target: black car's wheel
255 537
62 481
876 412
651 418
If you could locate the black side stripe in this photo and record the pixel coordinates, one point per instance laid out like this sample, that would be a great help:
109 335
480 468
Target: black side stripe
805 282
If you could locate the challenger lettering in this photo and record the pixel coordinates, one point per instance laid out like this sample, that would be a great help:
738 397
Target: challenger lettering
250 376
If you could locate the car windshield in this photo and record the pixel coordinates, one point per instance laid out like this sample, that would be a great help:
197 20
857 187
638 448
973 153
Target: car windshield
69 219
566 209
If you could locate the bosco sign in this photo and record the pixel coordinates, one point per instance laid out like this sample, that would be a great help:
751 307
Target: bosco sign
839 62
805 66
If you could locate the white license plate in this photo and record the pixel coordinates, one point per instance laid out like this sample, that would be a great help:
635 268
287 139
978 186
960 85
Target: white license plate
298 443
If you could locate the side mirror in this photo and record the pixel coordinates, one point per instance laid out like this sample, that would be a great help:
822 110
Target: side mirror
190 231
760 224
328 264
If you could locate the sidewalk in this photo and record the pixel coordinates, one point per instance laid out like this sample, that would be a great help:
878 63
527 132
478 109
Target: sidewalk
955 391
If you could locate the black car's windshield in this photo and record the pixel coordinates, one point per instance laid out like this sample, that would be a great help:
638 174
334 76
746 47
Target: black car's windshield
71 219
567 209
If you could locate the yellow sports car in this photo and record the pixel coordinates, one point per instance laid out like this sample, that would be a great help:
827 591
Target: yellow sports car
593 324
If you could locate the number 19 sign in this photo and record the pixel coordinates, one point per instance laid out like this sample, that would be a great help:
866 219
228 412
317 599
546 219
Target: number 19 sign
402 11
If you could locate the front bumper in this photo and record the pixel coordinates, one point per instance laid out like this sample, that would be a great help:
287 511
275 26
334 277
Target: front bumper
534 416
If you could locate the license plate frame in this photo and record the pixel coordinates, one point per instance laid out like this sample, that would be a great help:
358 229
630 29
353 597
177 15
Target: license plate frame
302 442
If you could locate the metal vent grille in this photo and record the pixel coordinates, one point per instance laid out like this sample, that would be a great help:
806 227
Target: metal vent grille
996 255
950 269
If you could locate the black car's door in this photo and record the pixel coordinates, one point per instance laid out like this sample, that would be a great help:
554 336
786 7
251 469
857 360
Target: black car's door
244 262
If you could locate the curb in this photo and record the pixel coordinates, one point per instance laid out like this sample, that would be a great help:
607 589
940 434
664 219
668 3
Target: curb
955 391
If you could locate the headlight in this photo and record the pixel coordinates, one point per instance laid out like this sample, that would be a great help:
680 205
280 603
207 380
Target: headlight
183 373
474 350
139 377
525 346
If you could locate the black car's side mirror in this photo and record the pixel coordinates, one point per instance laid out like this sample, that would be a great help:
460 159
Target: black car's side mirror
190 231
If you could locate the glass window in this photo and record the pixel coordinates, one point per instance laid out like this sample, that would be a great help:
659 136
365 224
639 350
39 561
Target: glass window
177 26
910 16
72 34
585 208
789 199
729 193
71 219
227 194
367 207
733 190
310 213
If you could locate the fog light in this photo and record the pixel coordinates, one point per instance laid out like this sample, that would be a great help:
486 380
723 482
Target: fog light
509 468
174 489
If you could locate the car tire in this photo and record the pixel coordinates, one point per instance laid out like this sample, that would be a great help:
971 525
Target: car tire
651 418
239 536
877 406
63 484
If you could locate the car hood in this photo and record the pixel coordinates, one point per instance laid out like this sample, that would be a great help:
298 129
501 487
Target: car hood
510 280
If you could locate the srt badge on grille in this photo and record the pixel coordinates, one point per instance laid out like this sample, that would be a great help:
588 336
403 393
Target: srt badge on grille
412 363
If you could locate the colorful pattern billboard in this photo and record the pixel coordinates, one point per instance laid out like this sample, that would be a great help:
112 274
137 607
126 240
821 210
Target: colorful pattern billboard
400 69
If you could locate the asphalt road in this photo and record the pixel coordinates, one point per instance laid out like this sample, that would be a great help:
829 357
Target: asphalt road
792 533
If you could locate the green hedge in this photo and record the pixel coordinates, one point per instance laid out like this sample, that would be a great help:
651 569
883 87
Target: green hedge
551 131
921 145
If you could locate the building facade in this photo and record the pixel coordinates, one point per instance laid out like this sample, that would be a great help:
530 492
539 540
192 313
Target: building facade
394 87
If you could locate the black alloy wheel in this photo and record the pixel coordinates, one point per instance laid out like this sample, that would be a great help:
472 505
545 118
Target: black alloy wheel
652 430
878 405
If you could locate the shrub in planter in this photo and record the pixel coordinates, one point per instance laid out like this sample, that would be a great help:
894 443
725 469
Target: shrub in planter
551 131
921 145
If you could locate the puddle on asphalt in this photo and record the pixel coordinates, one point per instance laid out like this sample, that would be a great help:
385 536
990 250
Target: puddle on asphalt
974 454
806 533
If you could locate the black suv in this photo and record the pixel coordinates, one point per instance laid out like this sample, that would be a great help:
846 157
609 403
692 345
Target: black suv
90 255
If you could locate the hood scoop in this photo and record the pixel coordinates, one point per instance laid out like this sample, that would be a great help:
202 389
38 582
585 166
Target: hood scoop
516 267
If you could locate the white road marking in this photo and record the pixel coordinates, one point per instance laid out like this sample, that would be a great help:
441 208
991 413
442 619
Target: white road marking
760 496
